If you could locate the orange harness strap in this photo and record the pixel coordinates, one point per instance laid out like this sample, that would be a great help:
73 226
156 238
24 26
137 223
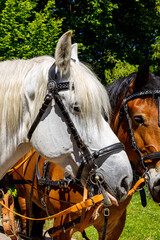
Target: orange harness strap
75 208
8 221
85 219
79 228
139 184
28 156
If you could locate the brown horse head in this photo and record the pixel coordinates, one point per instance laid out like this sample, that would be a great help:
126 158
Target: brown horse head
137 123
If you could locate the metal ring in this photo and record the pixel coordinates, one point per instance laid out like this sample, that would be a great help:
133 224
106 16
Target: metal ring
106 212
51 86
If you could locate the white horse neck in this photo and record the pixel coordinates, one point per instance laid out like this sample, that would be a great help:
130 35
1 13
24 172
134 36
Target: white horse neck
23 83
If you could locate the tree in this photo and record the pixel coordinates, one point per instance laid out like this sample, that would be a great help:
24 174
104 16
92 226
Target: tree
120 29
156 45
121 69
91 22
124 30
25 32
136 25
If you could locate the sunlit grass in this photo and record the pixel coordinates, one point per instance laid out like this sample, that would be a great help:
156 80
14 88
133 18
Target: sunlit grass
142 223
48 224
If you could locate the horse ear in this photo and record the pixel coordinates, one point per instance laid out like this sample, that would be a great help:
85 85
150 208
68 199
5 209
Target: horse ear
74 52
141 78
63 53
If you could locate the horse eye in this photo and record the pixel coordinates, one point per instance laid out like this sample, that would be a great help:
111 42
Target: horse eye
105 116
139 120
76 107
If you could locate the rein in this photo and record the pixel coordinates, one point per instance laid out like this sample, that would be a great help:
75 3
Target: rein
28 157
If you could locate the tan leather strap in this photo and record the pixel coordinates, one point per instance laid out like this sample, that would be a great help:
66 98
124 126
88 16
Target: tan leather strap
85 195
8 220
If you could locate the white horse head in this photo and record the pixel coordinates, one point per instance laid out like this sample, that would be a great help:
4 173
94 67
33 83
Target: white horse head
23 88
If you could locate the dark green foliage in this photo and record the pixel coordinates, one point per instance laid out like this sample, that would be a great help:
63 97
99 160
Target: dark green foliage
114 36
25 32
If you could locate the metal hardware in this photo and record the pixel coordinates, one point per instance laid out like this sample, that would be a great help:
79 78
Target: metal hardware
106 212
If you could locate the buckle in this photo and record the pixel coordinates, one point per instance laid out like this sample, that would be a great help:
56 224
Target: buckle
106 212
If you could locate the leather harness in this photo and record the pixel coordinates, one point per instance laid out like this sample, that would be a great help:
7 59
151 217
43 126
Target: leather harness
55 85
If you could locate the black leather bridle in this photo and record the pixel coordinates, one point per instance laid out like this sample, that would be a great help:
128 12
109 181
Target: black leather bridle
124 109
55 85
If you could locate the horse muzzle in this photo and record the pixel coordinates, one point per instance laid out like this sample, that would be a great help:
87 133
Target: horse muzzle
95 186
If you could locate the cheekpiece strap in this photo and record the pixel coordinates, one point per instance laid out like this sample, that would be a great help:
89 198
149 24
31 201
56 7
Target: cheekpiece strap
124 108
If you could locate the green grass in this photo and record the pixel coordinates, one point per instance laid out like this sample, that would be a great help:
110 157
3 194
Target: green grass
141 224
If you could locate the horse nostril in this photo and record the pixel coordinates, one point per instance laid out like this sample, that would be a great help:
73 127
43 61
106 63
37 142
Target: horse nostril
156 186
123 188
157 183
124 185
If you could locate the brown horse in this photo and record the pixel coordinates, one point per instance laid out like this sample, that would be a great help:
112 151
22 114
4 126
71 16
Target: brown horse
43 200
136 121
53 201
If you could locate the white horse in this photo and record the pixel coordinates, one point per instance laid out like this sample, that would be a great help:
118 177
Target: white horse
23 88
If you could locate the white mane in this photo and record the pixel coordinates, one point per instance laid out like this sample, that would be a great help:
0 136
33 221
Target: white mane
89 92
15 74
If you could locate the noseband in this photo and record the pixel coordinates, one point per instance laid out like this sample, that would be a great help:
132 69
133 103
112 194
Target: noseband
54 87
124 109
